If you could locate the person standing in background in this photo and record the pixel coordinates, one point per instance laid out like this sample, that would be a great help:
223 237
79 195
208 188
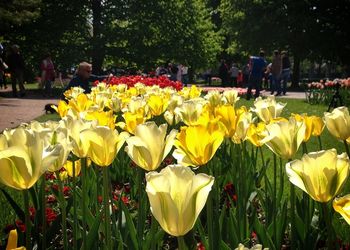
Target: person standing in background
233 75
47 75
179 73
223 73
285 71
3 67
245 72
276 71
257 66
184 76
16 66
83 78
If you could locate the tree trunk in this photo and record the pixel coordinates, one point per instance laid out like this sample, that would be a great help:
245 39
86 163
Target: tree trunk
296 72
97 41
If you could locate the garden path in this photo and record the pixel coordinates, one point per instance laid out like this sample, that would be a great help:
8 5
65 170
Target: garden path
14 111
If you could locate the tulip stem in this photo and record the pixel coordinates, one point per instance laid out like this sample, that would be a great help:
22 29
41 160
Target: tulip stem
63 212
181 243
274 211
292 216
75 217
43 210
319 142
28 223
304 148
140 218
328 225
84 192
347 148
106 208
210 221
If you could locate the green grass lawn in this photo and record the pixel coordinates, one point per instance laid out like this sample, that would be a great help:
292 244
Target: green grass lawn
7 216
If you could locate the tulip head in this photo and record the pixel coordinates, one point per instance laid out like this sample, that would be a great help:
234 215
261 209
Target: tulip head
230 96
157 104
267 109
74 126
150 145
24 157
177 196
132 120
12 241
189 112
256 133
284 137
320 174
313 125
342 206
196 145
338 123
103 144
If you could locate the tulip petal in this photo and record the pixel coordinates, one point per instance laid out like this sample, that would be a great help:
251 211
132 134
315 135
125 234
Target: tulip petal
16 168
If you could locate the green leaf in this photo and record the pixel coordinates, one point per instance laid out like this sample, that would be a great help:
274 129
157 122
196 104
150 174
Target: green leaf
224 246
14 205
150 235
262 234
93 232
130 225
202 234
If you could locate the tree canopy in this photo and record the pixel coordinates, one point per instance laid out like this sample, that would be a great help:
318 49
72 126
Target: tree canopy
143 34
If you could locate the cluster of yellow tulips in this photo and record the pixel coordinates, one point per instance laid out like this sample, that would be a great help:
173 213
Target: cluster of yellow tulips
150 123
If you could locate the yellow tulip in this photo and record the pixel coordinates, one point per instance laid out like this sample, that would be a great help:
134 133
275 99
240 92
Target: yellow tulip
74 126
243 122
318 126
103 144
51 133
157 104
80 103
135 104
267 109
177 196
255 247
150 145
342 206
284 137
320 174
190 93
102 118
73 92
230 96
24 158
169 115
189 112
132 120
121 88
236 121
196 145
338 123
214 98
62 108
12 241
308 121
256 133
314 125
63 175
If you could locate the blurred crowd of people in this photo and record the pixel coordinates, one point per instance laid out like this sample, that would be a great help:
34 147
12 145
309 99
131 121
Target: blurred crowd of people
256 74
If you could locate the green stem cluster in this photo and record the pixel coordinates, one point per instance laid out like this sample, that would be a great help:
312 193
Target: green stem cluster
28 223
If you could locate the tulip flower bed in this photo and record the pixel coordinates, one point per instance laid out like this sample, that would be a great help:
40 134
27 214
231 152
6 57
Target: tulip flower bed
323 91
130 81
146 167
